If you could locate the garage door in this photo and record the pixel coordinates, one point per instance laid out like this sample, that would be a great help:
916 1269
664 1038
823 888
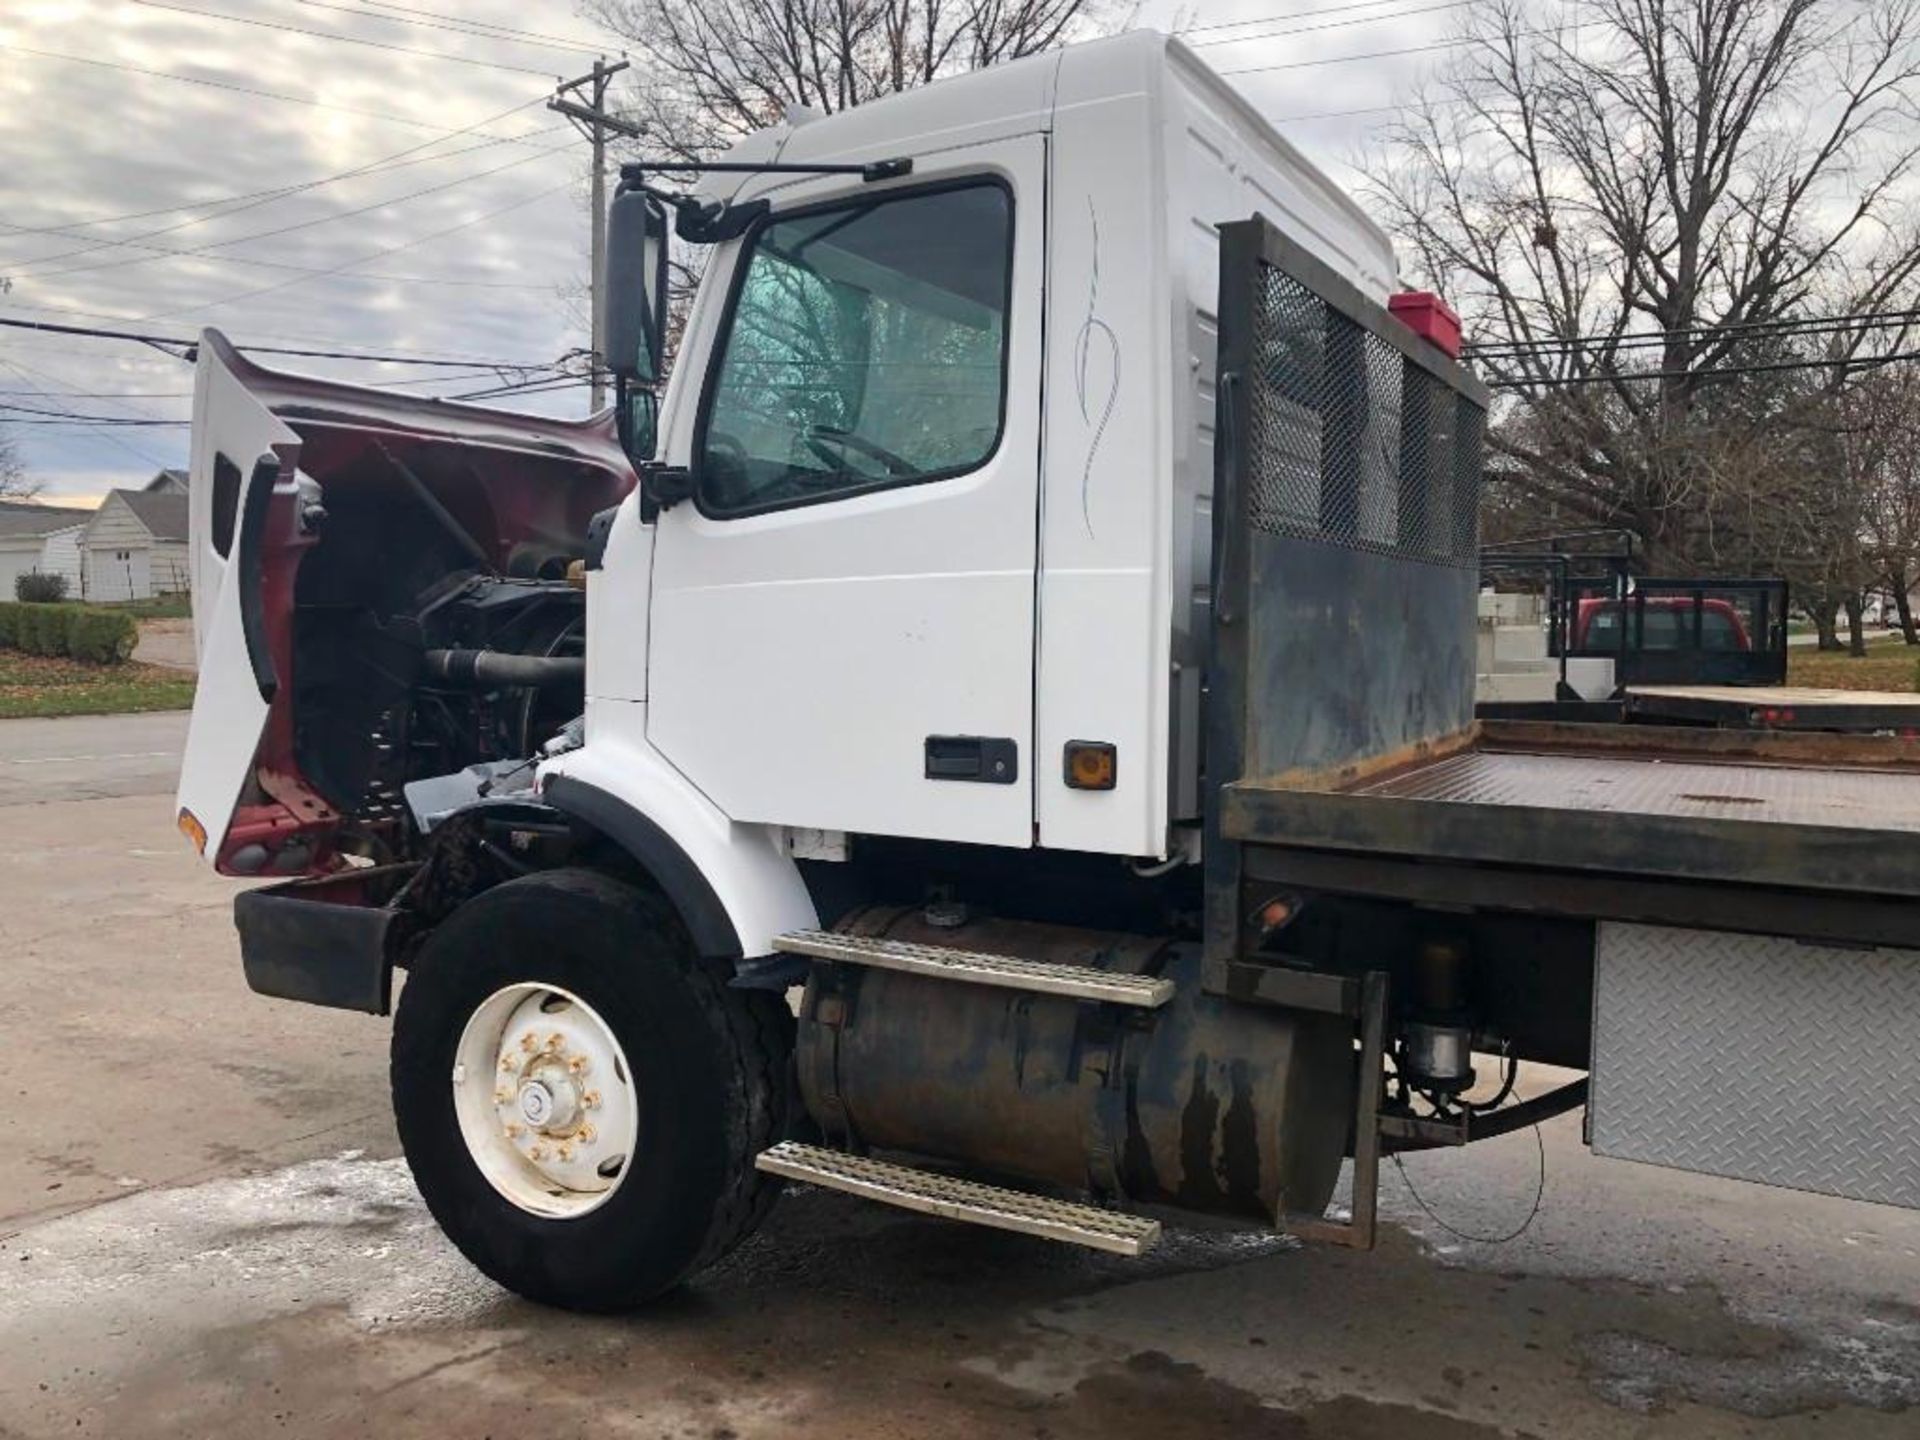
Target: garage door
118 575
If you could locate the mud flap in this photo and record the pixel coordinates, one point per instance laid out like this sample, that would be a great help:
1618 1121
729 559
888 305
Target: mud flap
326 941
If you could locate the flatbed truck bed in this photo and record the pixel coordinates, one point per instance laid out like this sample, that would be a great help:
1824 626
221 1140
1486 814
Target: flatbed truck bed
1777 834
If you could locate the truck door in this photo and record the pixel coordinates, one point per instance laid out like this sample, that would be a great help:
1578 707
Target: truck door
843 616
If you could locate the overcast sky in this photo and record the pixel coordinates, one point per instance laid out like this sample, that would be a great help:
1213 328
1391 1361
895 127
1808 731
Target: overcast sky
128 131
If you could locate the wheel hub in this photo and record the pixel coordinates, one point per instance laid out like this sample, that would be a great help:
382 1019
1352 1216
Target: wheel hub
545 1100
551 1108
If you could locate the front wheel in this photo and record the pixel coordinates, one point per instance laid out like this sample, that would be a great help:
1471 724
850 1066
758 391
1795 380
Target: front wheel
580 1098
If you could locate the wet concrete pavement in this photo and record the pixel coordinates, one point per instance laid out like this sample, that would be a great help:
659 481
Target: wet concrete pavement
203 1232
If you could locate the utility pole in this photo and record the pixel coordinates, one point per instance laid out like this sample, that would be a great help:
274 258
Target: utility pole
591 120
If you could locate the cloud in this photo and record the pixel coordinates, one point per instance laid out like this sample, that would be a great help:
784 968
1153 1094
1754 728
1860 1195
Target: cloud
87 141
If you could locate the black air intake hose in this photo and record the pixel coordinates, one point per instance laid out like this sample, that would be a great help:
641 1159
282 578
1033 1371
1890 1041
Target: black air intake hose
486 669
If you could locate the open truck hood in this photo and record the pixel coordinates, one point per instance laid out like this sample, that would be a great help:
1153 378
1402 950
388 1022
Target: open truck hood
286 467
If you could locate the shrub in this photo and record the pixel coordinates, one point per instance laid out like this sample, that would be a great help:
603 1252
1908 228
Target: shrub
78 632
40 589
102 636
43 629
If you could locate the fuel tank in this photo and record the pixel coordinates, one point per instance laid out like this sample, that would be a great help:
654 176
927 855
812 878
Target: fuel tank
1202 1104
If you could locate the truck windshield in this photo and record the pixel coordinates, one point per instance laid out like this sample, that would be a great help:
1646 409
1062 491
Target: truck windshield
866 348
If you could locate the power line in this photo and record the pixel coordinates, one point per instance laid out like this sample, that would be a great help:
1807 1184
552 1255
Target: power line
12 409
114 424
252 202
339 39
1712 372
399 160
235 88
1338 24
111 394
1365 55
1283 15
530 387
161 341
204 250
1808 325
480 29
33 372
357 260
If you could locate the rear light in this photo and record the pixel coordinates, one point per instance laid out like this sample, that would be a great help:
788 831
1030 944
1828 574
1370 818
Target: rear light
1429 317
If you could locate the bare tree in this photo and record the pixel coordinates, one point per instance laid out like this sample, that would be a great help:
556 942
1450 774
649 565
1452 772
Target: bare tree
707 72
15 484
1637 206
1884 415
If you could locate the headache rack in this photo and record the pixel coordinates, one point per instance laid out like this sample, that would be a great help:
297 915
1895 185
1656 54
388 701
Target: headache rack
1344 763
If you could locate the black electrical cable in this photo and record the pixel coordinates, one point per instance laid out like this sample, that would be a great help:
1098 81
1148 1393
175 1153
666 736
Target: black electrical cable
93 332
1481 1107
1539 1196
1710 372
340 39
1333 24
1806 325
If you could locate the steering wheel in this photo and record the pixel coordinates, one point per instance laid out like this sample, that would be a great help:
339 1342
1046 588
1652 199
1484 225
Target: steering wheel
821 440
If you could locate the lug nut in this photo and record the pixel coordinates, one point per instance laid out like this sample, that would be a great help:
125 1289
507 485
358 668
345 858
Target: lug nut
566 1152
539 1152
586 1135
578 1064
591 1100
527 1041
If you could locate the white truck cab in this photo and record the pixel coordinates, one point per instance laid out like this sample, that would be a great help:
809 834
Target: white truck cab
951 440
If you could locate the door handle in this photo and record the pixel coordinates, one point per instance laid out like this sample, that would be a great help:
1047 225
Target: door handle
982 759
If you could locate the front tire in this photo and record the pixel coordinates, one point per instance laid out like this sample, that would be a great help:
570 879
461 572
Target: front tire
580 1097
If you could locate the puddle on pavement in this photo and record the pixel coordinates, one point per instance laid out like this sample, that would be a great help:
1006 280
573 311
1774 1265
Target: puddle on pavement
320 1300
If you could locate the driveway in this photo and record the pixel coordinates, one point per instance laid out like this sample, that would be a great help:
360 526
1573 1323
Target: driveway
166 642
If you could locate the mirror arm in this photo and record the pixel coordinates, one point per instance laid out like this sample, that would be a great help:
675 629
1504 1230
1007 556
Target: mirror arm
662 486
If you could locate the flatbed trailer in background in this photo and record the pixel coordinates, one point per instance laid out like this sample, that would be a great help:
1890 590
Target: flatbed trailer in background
1777 707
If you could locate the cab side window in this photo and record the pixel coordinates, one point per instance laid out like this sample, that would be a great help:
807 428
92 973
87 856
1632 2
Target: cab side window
866 348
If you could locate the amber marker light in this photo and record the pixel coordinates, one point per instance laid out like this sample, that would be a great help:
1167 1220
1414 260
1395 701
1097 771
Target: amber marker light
193 830
1091 765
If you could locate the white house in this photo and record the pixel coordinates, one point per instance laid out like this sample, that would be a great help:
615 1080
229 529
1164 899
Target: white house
135 546
26 531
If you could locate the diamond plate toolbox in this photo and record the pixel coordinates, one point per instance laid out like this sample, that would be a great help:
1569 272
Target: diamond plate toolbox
1760 1059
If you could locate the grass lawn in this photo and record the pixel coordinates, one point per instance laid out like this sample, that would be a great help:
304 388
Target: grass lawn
35 685
1889 664
165 607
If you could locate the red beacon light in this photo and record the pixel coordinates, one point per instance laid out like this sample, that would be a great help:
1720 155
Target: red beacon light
1429 317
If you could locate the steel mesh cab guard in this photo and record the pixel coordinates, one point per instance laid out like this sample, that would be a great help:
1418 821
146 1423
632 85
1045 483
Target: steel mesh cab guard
1346 536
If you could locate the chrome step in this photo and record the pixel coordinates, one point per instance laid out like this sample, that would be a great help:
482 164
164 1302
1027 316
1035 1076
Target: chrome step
1081 982
931 1194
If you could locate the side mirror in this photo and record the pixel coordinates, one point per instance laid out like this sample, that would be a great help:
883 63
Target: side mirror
634 294
640 424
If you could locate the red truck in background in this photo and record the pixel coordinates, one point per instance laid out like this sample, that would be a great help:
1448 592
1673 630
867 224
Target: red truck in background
1664 624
